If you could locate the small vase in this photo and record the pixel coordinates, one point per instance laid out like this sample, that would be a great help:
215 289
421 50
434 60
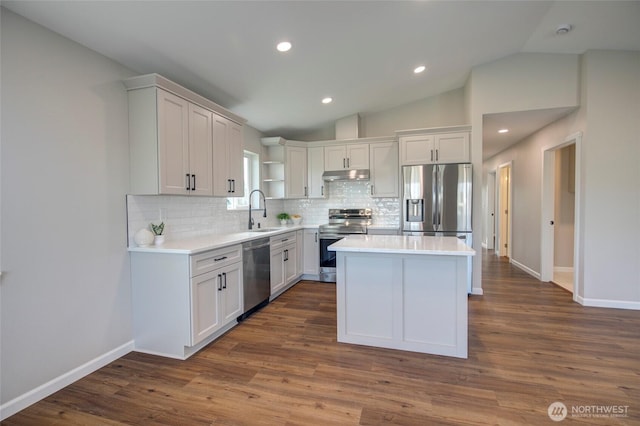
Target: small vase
158 240
283 222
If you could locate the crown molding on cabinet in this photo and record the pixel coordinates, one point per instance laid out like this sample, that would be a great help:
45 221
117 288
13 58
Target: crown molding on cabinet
449 129
156 80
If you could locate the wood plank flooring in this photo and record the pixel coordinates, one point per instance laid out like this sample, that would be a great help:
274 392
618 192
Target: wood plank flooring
529 346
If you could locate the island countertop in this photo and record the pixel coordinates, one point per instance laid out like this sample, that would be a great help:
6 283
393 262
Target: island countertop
403 244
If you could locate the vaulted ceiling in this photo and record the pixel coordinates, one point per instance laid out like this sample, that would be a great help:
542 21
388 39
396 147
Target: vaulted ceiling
360 53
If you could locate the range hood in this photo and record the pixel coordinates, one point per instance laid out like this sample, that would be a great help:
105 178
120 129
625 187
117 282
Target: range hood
356 174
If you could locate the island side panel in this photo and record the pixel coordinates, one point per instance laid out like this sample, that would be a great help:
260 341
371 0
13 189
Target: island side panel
435 305
420 299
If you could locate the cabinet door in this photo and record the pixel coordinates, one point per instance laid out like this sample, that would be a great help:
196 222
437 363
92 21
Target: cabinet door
221 182
200 150
205 294
311 252
232 296
452 148
315 169
290 259
417 150
335 157
173 143
277 270
358 156
384 169
296 172
299 251
235 163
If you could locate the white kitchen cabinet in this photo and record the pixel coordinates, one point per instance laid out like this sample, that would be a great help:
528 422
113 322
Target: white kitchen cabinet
228 154
299 251
315 169
384 169
345 157
311 252
295 174
171 138
284 269
284 169
183 302
170 144
435 148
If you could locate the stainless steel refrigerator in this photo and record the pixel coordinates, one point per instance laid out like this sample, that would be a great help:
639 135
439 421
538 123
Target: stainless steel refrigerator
436 200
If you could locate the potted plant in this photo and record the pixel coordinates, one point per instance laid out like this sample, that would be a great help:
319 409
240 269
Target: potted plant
157 232
283 217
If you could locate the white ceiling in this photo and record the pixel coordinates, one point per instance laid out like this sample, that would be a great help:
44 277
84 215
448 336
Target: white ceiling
361 53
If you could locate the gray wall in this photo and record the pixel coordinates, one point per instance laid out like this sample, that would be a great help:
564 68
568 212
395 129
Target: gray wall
609 196
65 291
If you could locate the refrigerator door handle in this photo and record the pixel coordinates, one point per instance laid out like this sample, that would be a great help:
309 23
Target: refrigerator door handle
434 199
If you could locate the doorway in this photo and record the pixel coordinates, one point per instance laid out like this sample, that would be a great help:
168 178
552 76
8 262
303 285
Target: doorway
560 214
503 225
490 226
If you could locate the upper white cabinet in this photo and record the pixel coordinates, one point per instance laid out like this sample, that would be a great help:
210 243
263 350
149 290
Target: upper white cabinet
228 154
384 169
342 157
284 169
433 146
172 140
295 172
315 169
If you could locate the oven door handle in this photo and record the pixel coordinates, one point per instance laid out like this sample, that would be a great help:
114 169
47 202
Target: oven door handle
331 236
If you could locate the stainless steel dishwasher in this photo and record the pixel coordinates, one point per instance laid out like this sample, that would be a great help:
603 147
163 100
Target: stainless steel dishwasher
256 273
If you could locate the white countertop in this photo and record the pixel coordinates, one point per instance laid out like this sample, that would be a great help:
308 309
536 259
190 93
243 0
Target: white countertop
450 246
212 242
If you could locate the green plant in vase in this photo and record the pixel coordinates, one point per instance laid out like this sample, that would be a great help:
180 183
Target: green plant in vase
283 217
157 232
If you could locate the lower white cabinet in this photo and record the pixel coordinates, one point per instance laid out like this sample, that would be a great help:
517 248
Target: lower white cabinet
183 302
284 263
216 300
311 252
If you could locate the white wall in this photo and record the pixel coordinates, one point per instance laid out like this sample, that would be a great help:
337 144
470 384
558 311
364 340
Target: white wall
446 109
65 293
611 184
519 82
526 180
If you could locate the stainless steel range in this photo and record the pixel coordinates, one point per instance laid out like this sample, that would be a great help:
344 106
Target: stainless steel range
342 222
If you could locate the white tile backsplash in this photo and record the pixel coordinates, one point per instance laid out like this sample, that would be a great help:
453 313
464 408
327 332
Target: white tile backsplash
346 194
189 217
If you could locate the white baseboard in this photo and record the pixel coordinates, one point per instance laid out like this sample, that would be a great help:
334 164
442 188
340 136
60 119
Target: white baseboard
525 268
563 269
605 303
477 291
23 401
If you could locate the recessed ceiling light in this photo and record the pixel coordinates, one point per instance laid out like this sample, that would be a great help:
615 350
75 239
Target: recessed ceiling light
327 100
419 69
283 46
503 131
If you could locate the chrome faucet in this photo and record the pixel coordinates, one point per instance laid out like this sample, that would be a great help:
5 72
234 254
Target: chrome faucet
264 200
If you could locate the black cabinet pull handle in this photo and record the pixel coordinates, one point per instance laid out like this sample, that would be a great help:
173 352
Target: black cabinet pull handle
193 182
316 237
224 275
188 182
233 185
219 258
219 282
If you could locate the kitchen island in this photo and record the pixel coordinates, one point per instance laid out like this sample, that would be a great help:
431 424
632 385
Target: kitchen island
403 292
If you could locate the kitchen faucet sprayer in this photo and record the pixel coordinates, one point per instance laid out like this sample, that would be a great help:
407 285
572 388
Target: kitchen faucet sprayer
264 200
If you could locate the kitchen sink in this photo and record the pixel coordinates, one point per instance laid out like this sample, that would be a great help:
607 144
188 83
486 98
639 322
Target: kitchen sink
264 230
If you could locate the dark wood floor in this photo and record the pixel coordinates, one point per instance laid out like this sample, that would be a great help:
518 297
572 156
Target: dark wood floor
529 346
